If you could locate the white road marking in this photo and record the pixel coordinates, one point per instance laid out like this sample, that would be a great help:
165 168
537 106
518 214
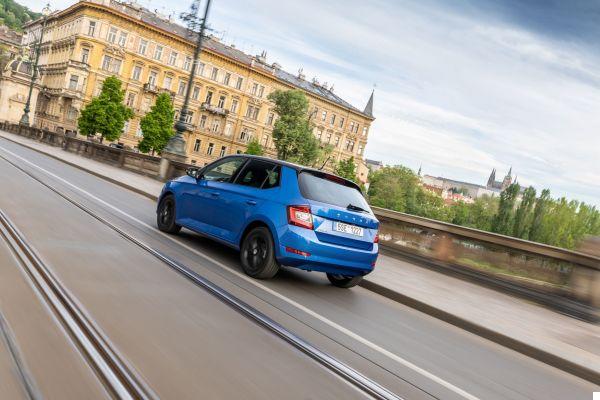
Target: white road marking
308 311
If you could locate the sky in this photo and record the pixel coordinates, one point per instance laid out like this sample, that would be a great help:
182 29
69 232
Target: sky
461 87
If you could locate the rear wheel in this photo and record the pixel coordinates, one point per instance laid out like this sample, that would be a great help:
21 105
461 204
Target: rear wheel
258 254
344 281
165 217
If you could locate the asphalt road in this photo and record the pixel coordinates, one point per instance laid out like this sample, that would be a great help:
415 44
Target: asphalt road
183 340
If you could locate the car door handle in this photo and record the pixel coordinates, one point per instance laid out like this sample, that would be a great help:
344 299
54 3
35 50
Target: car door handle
215 194
251 202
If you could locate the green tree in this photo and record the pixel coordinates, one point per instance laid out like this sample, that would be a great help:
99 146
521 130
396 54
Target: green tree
503 221
292 132
523 216
254 148
346 169
539 212
15 15
105 114
157 125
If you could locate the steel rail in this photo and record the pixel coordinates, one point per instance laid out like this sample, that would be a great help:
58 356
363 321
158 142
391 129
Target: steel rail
336 366
118 378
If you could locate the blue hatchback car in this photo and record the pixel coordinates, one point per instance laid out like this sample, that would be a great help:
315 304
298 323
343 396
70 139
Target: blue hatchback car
276 213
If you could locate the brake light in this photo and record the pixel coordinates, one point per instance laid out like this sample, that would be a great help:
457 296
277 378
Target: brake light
376 240
300 216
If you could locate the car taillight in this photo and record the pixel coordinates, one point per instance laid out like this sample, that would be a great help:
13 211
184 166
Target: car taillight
300 216
376 240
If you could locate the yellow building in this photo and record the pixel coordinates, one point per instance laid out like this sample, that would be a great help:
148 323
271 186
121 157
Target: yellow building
91 40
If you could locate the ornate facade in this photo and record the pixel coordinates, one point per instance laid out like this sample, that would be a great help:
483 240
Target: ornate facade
91 40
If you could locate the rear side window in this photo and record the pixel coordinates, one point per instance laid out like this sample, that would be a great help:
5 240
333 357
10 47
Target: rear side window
259 174
328 191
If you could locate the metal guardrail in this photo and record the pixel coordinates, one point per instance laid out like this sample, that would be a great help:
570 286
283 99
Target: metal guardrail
563 279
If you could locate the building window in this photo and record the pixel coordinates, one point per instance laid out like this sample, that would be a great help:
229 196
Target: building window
197 144
152 78
200 69
341 122
187 64
196 93
214 73
351 126
261 91
361 147
324 116
137 73
270 118
227 130
189 116
73 82
130 99
143 47
209 96
266 141
139 133
337 141
182 87
173 58
168 82
226 78
328 137
209 150
92 28
252 112
85 55
223 151
254 89
112 35
332 120
203 121
238 84
349 145
356 128
234 106
215 126
364 131
123 39
245 135
158 52
319 134
111 64
221 103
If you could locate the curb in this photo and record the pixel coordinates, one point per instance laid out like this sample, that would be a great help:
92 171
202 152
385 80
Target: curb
479 330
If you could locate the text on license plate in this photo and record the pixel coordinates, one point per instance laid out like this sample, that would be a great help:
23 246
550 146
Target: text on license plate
347 228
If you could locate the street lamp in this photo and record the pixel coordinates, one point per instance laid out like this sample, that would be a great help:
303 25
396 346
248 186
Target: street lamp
25 117
176 144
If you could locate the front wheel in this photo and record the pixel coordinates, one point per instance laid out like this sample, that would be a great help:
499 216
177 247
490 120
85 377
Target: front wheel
344 281
258 254
165 217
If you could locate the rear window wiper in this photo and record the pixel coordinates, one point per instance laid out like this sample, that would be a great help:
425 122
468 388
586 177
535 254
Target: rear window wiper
352 207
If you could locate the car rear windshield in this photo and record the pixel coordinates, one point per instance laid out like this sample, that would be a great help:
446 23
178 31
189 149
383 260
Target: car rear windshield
327 190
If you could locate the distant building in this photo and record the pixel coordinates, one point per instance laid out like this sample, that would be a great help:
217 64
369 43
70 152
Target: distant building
11 41
373 165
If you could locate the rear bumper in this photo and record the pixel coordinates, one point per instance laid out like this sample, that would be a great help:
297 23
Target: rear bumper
323 257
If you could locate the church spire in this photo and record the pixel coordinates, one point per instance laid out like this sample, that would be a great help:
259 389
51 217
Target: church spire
492 178
369 107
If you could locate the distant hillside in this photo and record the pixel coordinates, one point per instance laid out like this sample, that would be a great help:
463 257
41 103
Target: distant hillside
15 15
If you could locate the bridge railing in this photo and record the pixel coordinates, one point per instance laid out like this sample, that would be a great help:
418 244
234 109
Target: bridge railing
563 279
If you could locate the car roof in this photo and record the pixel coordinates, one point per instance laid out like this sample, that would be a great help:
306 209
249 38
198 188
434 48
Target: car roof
297 167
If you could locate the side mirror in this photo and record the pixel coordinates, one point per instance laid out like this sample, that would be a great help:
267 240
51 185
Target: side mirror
193 172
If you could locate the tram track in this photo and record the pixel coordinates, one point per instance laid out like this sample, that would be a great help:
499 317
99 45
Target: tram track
115 373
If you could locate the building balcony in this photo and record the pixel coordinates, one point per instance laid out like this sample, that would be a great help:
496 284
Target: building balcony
214 110
151 88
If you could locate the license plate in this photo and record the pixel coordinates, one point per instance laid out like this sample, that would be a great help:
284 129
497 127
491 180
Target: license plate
347 228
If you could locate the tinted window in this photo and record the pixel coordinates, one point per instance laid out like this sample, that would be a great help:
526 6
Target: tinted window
259 174
222 171
328 191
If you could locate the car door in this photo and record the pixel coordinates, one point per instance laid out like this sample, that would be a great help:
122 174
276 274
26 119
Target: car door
206 195
244 197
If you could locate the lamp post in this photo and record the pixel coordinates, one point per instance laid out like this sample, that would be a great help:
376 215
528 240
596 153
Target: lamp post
176 145
25 117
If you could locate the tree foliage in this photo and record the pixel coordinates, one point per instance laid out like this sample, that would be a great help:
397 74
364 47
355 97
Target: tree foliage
254 148
105 114
157 125
292 133
558 222
14 15
346 169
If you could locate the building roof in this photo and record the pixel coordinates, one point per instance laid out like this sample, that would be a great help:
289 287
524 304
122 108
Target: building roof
211 43
369 107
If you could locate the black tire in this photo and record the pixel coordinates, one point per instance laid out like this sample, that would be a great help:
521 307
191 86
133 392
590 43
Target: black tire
165 215
258 254
344 281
